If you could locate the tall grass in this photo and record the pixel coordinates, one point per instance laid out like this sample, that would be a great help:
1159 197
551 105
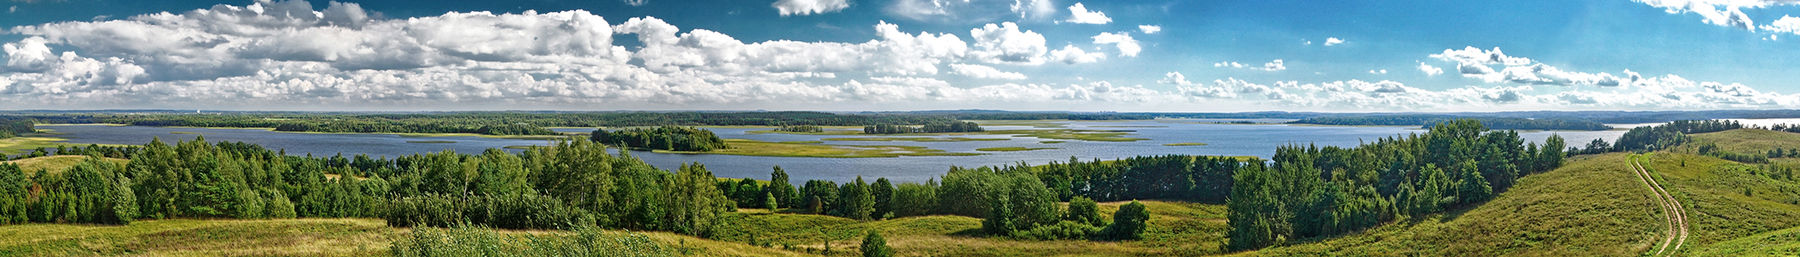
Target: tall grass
473 241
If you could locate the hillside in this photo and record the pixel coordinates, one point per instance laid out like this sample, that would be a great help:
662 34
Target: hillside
1754 141
55 164
1727 200
1181 229
1593 206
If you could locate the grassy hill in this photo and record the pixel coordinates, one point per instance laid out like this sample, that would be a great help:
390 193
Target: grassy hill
1750 140
1181 229
55 164
1727 200
1593 206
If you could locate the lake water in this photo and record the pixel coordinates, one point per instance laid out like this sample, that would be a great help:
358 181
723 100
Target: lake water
1221 139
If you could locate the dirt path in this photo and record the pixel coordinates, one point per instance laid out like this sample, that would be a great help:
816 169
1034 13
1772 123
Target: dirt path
1677 216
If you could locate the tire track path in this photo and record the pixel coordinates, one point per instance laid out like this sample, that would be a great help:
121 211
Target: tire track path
1672 210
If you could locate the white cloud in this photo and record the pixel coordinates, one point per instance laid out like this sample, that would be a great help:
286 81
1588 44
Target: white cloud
636 2
1378 72
1073 55
1128 47
12 9
1332 41
1005 43
1080 14
984 72
1149 29
1727 13
1430 70
964 11
809 7
1787 24
1273 65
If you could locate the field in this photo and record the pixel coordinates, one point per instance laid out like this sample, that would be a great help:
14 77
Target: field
19 145
299 237
914 139
1175 229
1750 141
55 164
811 149
1063 134
1593 206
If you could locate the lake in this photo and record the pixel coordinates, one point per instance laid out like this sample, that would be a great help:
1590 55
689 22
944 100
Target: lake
1220 139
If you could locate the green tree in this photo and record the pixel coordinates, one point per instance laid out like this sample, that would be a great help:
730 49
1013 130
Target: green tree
855 201
874 246
1085 211
914 199
782 189
884 198
1129 222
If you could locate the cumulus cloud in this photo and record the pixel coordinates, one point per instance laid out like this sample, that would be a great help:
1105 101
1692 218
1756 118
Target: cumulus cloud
1787 24
1273 65
1332 41
636 2
960 11
1474 62
1128 47
1430 70
1378 72
1080 14
1074 55
809 7
1727 13
1005 43
984 72
1149 29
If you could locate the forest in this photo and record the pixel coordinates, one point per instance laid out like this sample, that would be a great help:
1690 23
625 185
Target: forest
670 138
933 127
1429 120
15 127
1312 192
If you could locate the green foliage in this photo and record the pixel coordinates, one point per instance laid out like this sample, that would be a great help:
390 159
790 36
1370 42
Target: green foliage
1084 211
874 246
10 127
855 201
884 198
914 199
933 127
470 241
1129 222
1312 192
93 191
1430 120
662 138
800 129
784 192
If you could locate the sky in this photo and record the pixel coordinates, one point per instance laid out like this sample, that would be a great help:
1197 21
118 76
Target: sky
849 55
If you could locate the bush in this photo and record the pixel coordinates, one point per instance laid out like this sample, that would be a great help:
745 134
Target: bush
1128 222
511 211
874 246
1062 230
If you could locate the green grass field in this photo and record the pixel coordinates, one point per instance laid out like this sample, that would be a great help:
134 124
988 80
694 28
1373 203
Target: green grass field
1593 206
915 139
1175 229
1726 200
18 145
55 164
1750 141
298 237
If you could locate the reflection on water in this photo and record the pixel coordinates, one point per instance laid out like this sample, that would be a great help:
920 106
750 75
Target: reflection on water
1221 139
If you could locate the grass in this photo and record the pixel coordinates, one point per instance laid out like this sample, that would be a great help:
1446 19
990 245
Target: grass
1051 142
1784 242
1012 149
283 237
1750 141
1071 134
1592 206
1175 229
828 132
18 145
1184 144
1032 123
55 164
183 133
431 141
783 149
915 139
295 237
1726 200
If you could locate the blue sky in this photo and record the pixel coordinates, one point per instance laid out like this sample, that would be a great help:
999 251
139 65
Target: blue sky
834 55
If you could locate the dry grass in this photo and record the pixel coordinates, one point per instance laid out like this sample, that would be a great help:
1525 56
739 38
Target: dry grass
294 237
56 164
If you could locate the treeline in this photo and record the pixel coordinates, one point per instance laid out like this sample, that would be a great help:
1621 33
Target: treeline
570 184
1429 120
1311 192
1013 203
91 149
15 127
662 138
1658 137
935 127
800 128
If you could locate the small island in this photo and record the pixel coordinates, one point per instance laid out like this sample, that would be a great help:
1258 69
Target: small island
669 138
